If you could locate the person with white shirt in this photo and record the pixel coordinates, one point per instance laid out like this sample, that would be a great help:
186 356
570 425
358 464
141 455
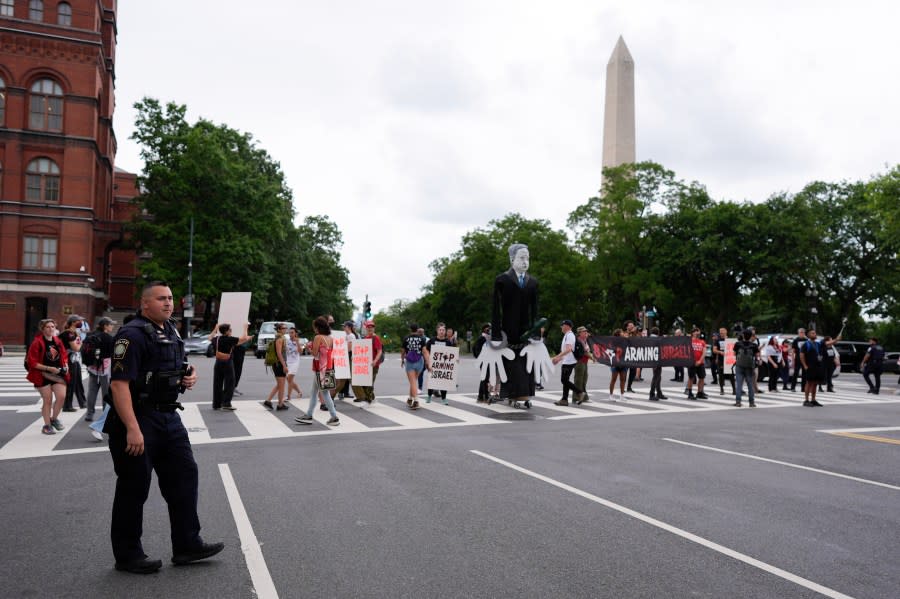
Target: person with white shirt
567 358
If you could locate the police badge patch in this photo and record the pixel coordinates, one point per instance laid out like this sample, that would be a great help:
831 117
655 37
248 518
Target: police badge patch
120 349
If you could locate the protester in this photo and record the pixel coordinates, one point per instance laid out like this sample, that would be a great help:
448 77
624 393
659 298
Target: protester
796 349
812 357
367 393
223 369
566 356
772 355
440 339
322 346
618 373
237 357
47 361
101 342
484 385
292 351
656 393
71 338
581 367
720 345
872 365
414 359
698 371
678 370
343 385
745 356
279 369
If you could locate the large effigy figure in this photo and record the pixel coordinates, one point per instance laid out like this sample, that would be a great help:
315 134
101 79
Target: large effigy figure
516 349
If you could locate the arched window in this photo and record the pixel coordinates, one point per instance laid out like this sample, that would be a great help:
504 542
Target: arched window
36 10
64 14
46 106
42 181
7 8
2 100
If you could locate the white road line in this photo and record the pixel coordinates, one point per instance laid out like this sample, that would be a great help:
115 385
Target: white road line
31 442
260 422
256 563
788 464
877 429
193 421
799 580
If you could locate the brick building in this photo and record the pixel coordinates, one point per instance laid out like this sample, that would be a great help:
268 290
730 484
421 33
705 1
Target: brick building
62 201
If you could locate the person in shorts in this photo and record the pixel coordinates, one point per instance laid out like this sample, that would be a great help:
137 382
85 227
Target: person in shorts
414 358
698 348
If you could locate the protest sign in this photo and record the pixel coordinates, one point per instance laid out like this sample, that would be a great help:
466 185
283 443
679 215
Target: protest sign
234 309
729 354
641 352
362 363
444 360
340 357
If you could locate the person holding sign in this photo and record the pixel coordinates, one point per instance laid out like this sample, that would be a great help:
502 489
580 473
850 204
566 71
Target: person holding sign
414 358
223 370
440 340
321 350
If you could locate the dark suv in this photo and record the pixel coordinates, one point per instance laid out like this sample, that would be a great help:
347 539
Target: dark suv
851 353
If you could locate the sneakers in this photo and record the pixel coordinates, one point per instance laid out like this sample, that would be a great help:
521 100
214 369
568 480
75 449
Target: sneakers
409 402
204 551
807 404
737 404
612 397
702 395
97 435
267 404
281 407
57 424
661 396
48 430
691 396
333 421
561 402
623 398
815 404
428 399
304 419
414 405
444 401
322 407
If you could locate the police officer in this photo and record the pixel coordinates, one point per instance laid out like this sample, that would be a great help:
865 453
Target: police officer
145 434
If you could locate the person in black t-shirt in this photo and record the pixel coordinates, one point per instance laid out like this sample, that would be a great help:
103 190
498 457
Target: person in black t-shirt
440 339
872 365
796 348
223 371
414 359
71 336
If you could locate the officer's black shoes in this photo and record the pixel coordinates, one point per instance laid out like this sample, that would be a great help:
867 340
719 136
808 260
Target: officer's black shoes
144 565
204 551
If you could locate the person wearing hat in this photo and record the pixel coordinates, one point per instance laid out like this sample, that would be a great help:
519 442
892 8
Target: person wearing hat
71 336
100 344
581 366
566 356
367 393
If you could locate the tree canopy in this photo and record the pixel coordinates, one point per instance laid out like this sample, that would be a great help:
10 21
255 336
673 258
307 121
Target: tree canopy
242 209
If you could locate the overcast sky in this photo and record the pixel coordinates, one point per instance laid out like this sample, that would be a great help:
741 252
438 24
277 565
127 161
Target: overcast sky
410 123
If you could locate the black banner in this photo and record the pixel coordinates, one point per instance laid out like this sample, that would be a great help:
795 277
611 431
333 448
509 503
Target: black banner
642 352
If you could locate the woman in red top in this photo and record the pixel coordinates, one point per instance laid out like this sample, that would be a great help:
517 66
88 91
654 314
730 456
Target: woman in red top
322 345
48 365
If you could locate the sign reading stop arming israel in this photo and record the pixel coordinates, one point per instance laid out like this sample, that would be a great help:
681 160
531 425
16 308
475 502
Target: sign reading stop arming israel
340 357
444 360
362 363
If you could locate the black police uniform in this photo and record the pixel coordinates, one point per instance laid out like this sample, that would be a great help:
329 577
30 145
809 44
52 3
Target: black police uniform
151 358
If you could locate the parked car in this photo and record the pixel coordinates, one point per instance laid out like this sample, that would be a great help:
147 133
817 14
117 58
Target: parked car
851 354
197 343
266 334
890 361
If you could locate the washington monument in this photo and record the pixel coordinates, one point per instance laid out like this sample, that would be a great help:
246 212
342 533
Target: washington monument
618 116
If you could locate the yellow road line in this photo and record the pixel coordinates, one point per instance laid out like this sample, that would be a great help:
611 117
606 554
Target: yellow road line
869 438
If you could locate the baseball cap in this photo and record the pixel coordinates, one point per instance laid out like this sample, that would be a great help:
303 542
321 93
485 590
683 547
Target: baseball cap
568 322
73 318
370 323
582 330
105 321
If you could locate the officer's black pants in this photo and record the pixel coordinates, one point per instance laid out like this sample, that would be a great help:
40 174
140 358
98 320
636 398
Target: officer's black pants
223 383
168 451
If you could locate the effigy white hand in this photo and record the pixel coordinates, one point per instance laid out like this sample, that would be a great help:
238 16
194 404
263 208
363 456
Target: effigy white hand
492 354
537 360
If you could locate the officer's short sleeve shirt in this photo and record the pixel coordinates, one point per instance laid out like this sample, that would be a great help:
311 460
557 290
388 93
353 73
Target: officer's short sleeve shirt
129 348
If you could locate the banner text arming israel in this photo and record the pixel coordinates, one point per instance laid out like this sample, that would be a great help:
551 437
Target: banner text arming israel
642 352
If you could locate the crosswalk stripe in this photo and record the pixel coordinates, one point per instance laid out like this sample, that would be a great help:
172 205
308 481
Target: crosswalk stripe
193 421
32 443
464 416
259 421
402 417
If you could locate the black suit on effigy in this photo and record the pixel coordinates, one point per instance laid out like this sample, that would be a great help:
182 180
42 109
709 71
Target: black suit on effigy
515 310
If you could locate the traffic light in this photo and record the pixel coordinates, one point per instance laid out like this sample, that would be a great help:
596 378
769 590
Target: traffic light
367 309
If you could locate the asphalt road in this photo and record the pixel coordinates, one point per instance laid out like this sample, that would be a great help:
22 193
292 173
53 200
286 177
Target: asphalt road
630 500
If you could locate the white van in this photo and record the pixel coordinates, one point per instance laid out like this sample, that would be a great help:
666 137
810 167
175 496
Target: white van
266 334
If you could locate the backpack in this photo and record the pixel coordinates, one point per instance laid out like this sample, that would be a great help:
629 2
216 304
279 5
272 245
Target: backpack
578 350
271 353
90 350
744 356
